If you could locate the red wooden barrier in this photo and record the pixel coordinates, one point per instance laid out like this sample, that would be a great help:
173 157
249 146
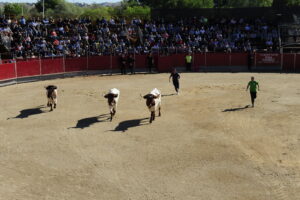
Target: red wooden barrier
116 62
75 64
140 61
217 59
239 59
28 68
99 62
52 66
164 64
199 61
178 60
288 62
35 67
268 59
297 63
7 71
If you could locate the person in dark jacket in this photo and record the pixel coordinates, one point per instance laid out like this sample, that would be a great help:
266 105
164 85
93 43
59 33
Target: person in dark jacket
150 62
130 61
175 78
123 63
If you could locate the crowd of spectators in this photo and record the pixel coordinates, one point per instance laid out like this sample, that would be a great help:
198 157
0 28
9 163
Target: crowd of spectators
80 37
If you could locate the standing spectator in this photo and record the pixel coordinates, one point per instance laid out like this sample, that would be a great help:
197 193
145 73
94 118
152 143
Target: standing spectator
123 63
250 60
150 62
130 61
188 61
254 86
175 78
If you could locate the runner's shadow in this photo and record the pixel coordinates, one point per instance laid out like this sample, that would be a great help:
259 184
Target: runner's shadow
28 112
86 122
168 95
125 125
236 109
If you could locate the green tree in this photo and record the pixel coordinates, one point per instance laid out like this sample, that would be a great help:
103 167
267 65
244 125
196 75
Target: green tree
280 3
178 3
244 3
59 8
12 9
49 4
97 13
142 12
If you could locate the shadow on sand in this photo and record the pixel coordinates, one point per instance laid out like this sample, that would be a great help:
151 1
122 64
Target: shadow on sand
86 122
168 95
28 112
125 125
236 109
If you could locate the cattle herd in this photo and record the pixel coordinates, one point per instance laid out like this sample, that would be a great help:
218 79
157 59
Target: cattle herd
153 100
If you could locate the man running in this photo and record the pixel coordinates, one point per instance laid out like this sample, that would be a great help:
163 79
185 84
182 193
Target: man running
253 87
175 77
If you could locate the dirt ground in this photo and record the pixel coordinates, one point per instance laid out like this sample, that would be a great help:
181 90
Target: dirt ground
206 145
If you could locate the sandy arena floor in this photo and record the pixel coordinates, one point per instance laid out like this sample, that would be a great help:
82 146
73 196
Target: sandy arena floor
206 145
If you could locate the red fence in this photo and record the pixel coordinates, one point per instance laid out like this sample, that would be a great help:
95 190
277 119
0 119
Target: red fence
7 71
52 66
28 68
37 67
291 62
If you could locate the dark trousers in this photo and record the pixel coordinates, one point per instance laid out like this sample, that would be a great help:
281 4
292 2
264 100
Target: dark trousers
123 69
131 67
253 96
176 85
150 67
188 67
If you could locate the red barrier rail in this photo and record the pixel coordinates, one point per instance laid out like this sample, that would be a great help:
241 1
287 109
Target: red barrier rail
76 64
52 66
28 68
297 63
37 67
268 59
239 59
99 62
7 71
288 63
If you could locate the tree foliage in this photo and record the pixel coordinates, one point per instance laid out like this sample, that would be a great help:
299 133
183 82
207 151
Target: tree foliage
97 12
49 4
13 9
280 3
136 11
243 3
178 3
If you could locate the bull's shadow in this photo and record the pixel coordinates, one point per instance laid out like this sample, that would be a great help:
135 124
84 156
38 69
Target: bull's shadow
125 125
168 95
236 109
29 112
86 122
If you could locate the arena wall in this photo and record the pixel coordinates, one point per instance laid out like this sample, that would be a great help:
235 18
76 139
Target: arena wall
40 69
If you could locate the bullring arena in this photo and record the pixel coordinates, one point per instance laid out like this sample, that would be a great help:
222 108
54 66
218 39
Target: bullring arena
208 144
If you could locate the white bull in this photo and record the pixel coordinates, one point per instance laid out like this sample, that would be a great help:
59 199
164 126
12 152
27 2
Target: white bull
153 102
51 96
112 99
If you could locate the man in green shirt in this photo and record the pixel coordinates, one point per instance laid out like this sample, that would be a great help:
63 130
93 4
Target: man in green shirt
188 61
254 86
